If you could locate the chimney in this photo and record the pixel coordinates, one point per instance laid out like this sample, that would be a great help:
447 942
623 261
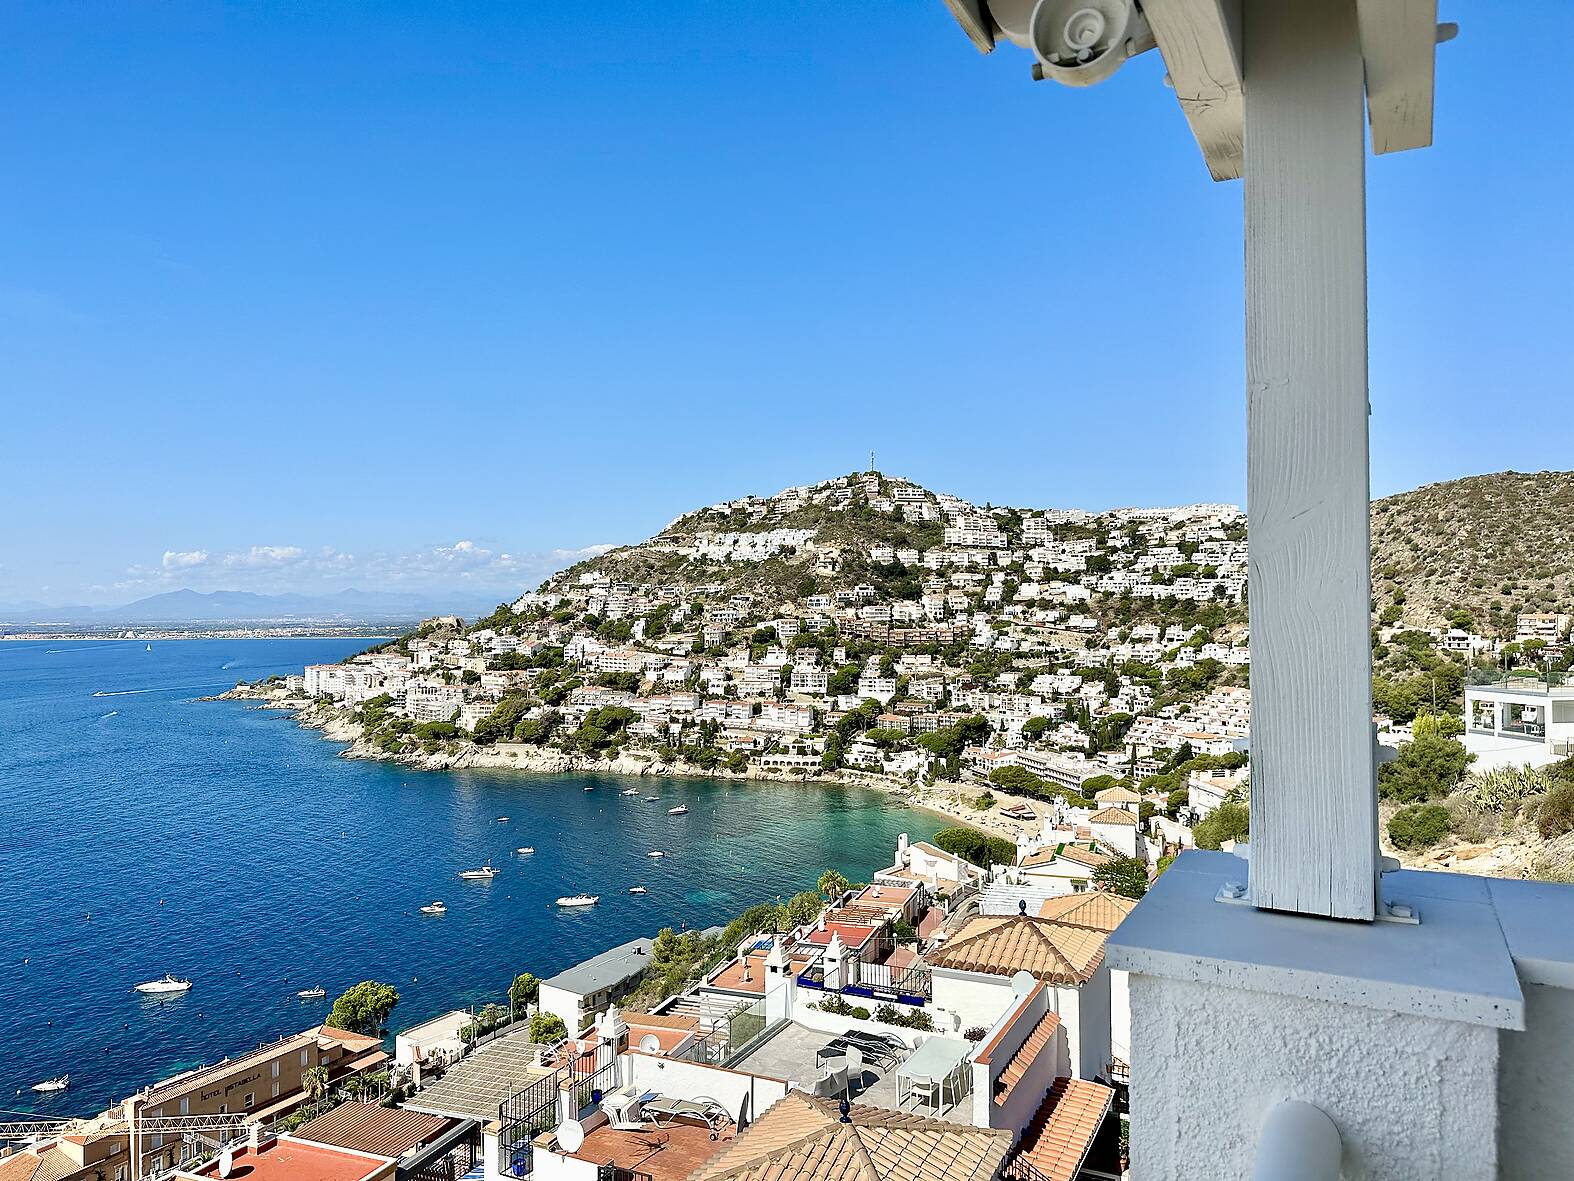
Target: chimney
901 848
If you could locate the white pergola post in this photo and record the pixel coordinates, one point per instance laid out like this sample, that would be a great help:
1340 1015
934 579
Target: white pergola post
1313 791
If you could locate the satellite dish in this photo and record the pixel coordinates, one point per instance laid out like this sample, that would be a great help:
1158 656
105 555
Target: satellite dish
226 1162
1023 983
650 1044
571 1135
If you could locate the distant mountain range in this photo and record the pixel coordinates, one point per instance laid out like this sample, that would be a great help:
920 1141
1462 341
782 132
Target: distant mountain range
189 606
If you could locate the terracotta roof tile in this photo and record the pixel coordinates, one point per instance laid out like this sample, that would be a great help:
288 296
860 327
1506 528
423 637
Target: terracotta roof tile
1057 1139
804 1139
1027 1053
1097 910
1117 795
1054 953
1113 816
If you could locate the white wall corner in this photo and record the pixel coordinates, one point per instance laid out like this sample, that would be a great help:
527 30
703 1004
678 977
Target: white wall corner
1392 1030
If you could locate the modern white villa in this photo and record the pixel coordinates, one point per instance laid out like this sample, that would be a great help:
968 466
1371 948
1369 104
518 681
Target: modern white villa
1520 719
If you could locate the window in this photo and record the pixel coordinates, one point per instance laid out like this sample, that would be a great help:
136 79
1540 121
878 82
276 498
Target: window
275 1068
275 1090
251 1100
185 1105
224 1108
305 1061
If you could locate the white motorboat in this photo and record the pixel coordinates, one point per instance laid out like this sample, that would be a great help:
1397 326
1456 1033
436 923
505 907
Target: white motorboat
579 900
589 788
502 819
680 810
53 1084
432 908
312 994
525 850
655 853
485 874
638 890
632 791
169 984
652 799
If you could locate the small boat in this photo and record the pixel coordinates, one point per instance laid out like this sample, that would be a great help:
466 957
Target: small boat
632 791
429 908
485 874
150 647
502 819
655 853
579 900
637 890
680 810
169 984
589 788
312 994
53 1084
525 850
652 799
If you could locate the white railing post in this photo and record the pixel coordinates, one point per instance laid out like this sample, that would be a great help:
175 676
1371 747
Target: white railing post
1313 791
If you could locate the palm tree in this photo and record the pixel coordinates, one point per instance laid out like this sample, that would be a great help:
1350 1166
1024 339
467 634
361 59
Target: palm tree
314 1081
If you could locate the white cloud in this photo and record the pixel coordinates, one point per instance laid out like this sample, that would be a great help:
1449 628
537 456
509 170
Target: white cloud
265 556
465 563
184 559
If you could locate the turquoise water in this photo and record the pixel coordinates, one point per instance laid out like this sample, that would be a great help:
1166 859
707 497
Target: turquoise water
149 832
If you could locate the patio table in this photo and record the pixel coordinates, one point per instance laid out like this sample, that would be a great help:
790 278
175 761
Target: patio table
937 1061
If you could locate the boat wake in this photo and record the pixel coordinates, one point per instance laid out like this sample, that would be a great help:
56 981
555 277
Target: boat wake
110 714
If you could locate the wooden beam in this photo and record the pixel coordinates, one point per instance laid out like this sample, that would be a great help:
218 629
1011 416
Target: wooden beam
1399 45
1200 41
1313 791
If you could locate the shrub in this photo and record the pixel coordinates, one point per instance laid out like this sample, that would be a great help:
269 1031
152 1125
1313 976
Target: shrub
976 847
1230 821
547 1029
1420 826
1469 821
858 1013
1557 812
974 1033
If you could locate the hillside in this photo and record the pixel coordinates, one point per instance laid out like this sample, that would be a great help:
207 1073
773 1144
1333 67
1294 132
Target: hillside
1491 546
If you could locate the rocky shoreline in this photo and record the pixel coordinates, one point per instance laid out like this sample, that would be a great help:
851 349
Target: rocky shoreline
948 799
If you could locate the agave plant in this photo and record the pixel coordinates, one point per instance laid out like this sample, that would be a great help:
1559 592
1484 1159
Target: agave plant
1503 788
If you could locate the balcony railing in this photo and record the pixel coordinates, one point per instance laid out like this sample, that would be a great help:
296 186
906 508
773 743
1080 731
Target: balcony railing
1520 680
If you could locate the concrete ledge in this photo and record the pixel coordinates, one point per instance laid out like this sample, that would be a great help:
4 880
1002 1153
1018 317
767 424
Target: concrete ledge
1455 965
1538 922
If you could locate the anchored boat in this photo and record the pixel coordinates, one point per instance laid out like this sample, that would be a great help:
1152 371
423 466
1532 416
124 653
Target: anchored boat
579 900
434 908
485 874
312 994
168 984
53 1084
680 810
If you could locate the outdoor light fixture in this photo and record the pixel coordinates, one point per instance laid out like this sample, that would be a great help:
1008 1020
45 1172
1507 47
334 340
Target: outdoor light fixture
1076 42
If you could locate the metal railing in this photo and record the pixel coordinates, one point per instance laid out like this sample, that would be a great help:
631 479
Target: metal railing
1521 680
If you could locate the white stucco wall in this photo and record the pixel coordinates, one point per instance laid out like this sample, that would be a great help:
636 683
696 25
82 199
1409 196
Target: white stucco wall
1536 1133
1411 1095
975 999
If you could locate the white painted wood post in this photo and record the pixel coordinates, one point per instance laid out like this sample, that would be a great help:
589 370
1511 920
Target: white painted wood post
1313 790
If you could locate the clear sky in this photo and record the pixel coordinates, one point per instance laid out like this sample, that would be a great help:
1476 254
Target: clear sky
392 295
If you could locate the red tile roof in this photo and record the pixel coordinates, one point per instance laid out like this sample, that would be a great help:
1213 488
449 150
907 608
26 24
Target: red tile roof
1027 1053
1057 1139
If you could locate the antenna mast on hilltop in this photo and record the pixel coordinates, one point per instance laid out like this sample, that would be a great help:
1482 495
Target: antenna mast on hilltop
871 459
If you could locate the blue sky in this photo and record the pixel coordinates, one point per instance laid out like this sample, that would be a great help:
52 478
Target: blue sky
409 295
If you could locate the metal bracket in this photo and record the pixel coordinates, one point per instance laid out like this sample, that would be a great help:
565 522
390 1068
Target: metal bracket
1394 911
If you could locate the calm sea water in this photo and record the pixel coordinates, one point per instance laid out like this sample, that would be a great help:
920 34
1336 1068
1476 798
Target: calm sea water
149 832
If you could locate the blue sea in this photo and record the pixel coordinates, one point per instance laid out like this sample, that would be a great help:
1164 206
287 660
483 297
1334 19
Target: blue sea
149 832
